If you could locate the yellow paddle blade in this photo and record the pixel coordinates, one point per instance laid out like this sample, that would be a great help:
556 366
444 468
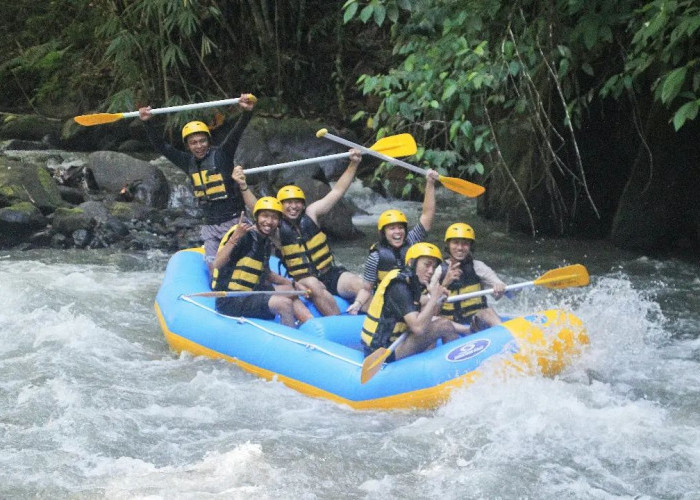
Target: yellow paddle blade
460 186
396 145
98 118
564 277
372 363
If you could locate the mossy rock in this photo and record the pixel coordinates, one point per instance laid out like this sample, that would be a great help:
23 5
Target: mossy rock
28 127
22 181
68 220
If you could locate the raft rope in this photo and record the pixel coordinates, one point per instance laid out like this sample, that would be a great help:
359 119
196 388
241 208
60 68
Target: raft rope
241 319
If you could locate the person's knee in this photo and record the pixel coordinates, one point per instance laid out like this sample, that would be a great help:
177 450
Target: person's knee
313 283
280 305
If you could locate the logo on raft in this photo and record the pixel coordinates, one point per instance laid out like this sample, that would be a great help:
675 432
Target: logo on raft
468 350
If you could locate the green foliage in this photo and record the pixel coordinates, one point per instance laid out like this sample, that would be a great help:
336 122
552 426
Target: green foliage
295 56
663 50
465 71
50 56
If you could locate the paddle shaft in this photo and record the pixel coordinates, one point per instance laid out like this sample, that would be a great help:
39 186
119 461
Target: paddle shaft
185 107
295 163
518 286
377 154
481 293
246 293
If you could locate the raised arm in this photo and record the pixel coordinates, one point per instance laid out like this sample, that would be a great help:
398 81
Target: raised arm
230 143
179 158
325 204
428 213
249 198
224 253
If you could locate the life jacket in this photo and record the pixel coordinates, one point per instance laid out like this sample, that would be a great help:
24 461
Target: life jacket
468 282
305 247
389 258
379 330
206 178
247 265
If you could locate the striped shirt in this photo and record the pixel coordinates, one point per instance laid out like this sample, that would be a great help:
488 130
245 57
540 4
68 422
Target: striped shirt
415 235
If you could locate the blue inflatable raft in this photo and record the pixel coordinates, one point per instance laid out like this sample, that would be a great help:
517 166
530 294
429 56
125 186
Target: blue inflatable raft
323 357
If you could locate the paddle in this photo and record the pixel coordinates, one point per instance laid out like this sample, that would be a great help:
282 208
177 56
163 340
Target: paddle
563 277
374 361
245 293
393 145
101 118
460 186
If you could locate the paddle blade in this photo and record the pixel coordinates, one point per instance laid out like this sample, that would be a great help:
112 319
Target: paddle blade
396 145
98 118
564 277
373 363
460 186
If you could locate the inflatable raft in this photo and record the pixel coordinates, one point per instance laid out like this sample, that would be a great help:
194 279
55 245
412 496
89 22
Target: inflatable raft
323 357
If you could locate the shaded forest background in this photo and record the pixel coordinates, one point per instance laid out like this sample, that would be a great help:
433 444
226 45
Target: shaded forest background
578 116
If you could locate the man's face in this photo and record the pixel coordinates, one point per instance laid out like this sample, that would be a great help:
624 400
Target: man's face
459 248
267 222
198 144
425 267
395 233
293 208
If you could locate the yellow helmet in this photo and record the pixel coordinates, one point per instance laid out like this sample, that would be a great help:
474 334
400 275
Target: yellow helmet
460 230
194 127
422 249
267 203
391 217
290 193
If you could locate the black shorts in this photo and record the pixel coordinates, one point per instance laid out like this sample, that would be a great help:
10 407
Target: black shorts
330 278
249 306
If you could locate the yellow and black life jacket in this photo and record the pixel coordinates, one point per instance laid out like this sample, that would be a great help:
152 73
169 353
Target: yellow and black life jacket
390 258
379 330
208 181
467 283
305 247
247 265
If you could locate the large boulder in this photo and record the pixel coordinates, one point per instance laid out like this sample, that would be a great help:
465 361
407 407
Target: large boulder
130 178
23 181
28 127
18 221
268 141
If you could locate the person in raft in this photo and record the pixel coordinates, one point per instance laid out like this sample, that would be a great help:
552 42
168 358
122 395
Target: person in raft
395 239
399 305
305 250
242 265
464 274
219 187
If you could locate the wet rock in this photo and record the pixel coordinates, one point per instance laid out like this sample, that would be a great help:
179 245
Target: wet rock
81 238
18 221
119 173
24 181
27 127
69 220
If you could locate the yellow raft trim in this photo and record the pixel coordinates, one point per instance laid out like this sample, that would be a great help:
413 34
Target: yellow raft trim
536 354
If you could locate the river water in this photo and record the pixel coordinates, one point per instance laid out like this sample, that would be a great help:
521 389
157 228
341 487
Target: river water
94 405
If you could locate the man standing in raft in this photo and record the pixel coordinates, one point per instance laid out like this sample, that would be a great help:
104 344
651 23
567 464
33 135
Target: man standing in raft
399 306
463 274
242 265
305 250
395 238
220 188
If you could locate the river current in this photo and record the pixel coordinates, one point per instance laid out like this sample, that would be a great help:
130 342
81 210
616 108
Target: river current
94 405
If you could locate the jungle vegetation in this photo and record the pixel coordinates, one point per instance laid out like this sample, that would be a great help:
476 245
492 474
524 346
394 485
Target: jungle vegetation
467 78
